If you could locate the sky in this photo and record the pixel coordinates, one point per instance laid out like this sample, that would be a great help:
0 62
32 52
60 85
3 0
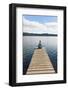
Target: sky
40 24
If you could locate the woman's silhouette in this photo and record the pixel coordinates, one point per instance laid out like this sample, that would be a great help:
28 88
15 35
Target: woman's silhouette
39 45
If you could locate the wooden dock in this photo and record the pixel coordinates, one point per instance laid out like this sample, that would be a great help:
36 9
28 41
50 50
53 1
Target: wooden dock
40 63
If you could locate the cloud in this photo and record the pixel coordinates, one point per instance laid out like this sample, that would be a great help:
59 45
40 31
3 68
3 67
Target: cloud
52 27
36 27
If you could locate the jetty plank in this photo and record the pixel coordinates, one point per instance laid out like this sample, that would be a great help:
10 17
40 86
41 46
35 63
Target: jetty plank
40 63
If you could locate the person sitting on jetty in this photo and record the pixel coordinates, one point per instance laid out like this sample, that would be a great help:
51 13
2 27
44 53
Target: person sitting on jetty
39 45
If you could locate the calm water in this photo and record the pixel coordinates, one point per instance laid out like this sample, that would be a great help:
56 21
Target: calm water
30 43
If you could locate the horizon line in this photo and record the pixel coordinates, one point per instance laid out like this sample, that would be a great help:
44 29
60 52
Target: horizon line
38 33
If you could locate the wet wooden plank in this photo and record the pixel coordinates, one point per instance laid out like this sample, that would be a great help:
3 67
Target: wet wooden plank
40 63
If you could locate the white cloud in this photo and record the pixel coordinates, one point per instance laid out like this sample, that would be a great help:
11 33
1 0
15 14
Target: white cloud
52 27
36 27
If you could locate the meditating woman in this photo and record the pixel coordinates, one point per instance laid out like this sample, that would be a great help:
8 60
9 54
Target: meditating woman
39 45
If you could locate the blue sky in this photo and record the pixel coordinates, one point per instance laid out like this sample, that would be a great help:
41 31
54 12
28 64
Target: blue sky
41 19
40 24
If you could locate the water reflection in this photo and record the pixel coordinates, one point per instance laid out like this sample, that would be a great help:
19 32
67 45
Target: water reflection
30 43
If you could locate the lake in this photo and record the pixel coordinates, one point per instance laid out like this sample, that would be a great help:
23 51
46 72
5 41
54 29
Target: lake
30 43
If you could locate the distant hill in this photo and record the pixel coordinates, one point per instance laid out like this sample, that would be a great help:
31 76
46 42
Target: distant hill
35 34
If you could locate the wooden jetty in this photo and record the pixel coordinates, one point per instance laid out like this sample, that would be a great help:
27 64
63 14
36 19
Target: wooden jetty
40 63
